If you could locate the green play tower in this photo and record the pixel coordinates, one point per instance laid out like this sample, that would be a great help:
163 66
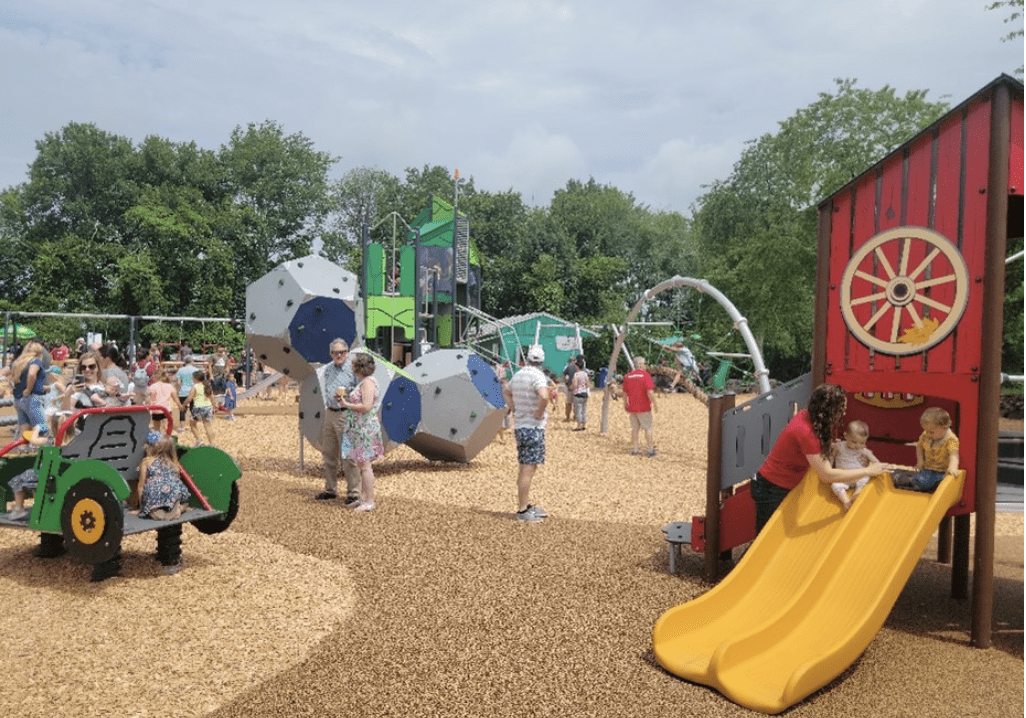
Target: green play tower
413 291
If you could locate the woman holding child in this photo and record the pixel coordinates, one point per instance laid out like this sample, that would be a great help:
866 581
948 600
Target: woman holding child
89 389
805 443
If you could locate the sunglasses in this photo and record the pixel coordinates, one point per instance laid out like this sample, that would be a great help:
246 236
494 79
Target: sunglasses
88 366
341 353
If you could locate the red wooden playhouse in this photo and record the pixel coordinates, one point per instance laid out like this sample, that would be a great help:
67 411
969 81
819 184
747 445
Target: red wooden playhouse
909 301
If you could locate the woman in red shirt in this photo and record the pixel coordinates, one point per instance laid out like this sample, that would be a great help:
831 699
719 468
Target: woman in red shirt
803 444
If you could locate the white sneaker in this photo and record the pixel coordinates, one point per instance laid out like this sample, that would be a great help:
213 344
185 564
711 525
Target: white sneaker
528 515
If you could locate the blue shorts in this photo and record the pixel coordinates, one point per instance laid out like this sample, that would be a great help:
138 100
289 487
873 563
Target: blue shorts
31 412
530 446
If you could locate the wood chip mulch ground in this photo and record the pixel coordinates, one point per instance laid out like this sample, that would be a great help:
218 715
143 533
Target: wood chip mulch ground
439 604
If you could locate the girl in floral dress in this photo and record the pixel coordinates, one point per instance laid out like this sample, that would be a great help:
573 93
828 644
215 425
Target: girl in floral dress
162 493
361 441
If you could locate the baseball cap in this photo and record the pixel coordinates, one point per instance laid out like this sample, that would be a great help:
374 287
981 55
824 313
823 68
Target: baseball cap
536 354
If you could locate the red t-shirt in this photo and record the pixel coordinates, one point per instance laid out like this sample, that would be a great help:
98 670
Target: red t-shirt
636 386
786 464
59 353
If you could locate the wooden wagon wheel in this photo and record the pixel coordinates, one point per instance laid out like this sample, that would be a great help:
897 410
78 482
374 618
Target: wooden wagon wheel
910 319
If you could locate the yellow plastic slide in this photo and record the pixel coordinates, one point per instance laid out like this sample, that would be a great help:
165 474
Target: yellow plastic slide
809 596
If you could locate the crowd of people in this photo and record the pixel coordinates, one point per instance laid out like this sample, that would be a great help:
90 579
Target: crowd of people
351 437
170 376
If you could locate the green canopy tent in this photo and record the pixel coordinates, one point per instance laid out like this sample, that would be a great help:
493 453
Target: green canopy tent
17 331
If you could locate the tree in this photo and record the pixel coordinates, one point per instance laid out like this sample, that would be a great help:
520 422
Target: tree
279 191
1013 15
421 184
524 256
599 218
16 252
80 183
171 226
499 225
359 199
757 228
162 228
622 248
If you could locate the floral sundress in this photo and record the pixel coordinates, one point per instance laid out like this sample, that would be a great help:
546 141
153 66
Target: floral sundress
361 440
163 487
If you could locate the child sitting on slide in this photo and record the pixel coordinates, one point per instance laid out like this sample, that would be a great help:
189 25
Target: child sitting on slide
851 453
936 450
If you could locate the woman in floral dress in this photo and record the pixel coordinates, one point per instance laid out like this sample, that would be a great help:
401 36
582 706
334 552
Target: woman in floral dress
361 441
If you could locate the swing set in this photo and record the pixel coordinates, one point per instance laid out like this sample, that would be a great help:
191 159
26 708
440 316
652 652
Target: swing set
132 320
703 286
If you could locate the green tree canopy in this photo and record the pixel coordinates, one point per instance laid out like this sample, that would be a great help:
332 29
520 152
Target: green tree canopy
102 226
756 229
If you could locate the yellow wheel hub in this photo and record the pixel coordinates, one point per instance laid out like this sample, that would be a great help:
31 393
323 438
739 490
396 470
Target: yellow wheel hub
87 521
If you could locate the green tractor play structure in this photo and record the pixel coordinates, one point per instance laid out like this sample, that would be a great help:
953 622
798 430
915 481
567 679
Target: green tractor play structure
80 500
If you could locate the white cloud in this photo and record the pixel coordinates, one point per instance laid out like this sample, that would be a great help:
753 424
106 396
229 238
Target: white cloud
655 97
674 176
535 163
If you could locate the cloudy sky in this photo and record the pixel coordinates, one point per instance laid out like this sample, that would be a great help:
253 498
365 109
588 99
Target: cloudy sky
656 97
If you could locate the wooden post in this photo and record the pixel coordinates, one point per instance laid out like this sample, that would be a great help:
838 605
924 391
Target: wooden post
990 369
718 406
944 540
960 557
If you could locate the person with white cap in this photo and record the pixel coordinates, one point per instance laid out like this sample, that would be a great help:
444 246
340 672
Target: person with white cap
527 393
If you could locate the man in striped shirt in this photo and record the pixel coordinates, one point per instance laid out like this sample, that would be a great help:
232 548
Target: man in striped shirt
527 393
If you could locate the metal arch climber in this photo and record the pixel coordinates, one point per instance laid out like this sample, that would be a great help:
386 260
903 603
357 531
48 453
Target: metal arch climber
701 285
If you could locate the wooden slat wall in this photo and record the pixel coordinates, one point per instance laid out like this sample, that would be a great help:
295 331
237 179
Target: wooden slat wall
937 181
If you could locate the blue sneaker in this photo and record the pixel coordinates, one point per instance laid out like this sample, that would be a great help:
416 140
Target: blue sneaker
539 511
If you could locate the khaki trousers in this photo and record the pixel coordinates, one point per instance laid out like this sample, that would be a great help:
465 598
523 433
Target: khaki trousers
331 446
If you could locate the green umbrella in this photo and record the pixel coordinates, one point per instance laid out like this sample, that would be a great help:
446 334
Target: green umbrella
19 331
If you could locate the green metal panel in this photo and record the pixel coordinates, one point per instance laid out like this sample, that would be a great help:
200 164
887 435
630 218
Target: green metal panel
56 477
408 271
375 269
445 331
720 379
390 311
213 472
555 340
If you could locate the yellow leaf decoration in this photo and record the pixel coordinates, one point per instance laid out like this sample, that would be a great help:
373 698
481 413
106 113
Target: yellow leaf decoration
921 334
